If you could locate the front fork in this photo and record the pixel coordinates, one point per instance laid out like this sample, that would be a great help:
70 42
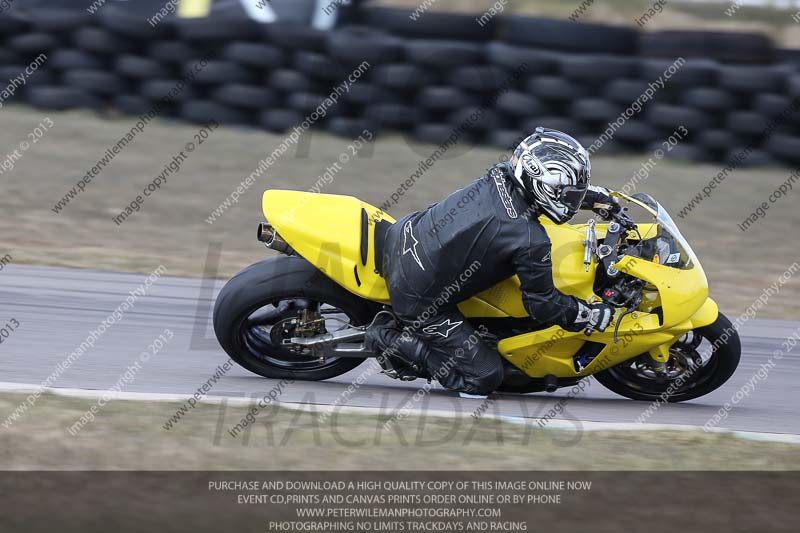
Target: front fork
659 356
706 315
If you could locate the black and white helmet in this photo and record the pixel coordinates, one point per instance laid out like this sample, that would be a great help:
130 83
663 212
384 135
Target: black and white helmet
553 171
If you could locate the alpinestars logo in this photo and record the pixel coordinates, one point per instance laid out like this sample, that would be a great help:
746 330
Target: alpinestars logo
443 328
410 243
504 195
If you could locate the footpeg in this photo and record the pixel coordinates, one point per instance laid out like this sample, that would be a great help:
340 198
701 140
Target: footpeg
550 383
389 369
394 374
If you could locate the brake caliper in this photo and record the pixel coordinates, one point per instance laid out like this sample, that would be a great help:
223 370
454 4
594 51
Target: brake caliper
310 324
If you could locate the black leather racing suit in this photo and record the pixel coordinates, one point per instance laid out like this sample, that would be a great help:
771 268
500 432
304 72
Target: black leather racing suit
468 242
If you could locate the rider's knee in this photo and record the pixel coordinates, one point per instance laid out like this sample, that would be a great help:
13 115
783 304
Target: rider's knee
489 379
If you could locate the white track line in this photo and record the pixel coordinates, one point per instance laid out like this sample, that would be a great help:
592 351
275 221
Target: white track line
586 425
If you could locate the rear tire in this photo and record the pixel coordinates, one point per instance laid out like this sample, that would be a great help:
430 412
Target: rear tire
274 280
710 376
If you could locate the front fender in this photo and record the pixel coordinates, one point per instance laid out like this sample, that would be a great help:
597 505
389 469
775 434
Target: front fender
706 315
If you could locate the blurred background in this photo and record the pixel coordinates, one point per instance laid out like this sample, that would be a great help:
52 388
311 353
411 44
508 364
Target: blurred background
100 100
261 67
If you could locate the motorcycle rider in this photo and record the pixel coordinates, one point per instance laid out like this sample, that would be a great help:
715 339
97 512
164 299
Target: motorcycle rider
490 237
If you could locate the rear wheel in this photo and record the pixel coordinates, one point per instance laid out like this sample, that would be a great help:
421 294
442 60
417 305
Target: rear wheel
700 362
261 308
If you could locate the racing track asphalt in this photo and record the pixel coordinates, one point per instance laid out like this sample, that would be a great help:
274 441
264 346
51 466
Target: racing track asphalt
58 307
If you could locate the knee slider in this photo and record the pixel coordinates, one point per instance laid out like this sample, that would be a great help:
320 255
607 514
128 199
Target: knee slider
490 376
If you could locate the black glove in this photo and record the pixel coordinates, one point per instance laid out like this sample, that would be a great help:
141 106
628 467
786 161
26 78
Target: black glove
603 203
592 317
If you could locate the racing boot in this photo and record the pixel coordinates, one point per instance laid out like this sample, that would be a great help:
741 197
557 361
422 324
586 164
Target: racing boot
401 355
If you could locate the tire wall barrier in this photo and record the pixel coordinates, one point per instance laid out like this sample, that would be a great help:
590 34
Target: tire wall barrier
493 80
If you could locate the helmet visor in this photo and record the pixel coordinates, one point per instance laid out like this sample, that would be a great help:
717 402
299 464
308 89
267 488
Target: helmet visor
572 196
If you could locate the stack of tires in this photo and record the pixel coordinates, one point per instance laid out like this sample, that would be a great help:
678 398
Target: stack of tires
442 76
588 79
29 43
567 68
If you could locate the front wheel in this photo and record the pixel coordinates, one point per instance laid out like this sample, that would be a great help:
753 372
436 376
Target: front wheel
262 307
700 362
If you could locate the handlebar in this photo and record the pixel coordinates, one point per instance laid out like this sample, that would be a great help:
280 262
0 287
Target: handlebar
624 220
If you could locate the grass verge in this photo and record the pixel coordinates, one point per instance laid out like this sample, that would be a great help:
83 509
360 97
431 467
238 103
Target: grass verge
129 435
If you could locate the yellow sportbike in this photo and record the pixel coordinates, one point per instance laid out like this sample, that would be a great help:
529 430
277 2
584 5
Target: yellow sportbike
303 314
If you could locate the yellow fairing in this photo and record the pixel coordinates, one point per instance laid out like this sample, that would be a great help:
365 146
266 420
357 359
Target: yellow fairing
327 231
570 275
679 305
550 351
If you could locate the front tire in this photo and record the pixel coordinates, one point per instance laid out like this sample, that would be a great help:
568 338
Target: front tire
631 379
255 310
